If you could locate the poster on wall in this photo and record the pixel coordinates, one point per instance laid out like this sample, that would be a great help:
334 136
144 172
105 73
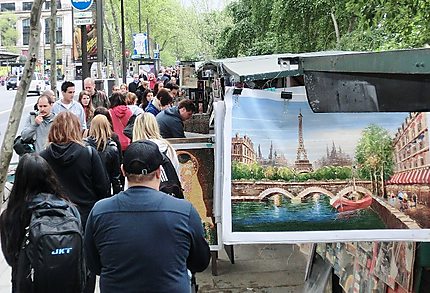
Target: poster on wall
293 176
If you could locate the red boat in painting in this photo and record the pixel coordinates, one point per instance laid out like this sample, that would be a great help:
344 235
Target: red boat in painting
344 204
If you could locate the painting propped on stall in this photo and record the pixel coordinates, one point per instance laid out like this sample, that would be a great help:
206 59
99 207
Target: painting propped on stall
291 175
196 172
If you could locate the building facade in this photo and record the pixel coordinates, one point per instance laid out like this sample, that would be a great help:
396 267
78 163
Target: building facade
412 158
64 33
242 150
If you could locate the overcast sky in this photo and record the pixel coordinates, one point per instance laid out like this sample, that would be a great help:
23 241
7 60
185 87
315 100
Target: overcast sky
212 4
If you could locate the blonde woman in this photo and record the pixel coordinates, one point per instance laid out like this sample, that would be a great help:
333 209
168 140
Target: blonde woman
146 127
100 138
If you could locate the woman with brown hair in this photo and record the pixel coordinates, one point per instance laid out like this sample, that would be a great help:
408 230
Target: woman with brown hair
79 168
85 100
100 138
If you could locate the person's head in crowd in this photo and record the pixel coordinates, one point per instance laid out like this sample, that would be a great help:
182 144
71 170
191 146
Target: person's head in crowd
130 98
68 91
165 98
136 78
173 80
116 89
141 164
101 131
44 105
148 95
158 86
151 76
186 109
84 99
146 127
65 128
123 88
145 84
173 87
89 85
33 176
50 93
117 99
105 112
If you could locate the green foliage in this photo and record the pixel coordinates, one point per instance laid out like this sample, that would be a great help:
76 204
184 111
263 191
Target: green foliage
258 172
279 26
8 32
374 152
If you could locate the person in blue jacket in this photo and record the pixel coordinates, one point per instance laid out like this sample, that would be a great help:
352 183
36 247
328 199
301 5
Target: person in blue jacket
143 240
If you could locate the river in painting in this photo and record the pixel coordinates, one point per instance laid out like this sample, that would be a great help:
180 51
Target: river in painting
314 213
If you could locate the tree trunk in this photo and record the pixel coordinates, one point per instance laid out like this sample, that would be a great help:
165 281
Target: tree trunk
336 28
53 47
21 94
109 33
114 51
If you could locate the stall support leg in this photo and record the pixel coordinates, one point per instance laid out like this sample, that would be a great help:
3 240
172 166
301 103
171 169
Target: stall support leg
230 252
214 259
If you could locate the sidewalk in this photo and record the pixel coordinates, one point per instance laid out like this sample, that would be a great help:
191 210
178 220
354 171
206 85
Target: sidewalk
274 268
257 268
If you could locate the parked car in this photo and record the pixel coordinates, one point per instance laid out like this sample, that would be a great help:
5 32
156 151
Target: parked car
12 83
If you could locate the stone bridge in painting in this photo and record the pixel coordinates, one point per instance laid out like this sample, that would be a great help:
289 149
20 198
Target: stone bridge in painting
242 190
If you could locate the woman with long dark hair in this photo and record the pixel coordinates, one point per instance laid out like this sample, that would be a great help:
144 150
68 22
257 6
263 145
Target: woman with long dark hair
35 181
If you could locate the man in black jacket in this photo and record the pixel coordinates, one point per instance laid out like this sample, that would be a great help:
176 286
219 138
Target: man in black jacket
170 121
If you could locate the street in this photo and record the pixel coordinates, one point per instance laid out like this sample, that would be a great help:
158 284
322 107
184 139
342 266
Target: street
7 98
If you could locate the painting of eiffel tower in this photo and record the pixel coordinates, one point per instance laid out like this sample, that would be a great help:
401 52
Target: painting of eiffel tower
302 163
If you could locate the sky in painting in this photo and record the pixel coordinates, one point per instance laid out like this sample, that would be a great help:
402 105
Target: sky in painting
268 121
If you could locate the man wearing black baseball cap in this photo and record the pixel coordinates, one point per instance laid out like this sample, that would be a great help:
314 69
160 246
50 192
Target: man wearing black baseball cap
143 240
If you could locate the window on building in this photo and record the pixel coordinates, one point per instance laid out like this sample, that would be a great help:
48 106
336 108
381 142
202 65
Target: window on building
419 126
7 7
58 32
48 5
422 161
26 6
26 31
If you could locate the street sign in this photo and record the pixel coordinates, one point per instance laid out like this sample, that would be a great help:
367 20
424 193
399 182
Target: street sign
81 5
83 21
83 14
156 54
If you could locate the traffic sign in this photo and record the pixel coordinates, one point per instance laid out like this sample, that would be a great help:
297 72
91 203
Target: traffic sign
81 5
83 21
83 14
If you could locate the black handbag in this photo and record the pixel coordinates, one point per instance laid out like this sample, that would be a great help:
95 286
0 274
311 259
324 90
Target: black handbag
23 146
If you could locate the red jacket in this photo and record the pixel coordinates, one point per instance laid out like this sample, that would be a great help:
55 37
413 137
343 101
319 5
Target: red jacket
120 115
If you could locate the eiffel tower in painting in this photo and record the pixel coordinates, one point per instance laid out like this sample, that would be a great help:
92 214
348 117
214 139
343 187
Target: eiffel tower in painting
302 163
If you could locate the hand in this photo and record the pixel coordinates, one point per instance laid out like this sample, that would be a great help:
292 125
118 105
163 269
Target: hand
38 119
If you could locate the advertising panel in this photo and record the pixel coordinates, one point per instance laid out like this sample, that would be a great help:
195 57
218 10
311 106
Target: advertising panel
92 22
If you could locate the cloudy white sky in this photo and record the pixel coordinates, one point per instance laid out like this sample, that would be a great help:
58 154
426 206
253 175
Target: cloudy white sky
205 5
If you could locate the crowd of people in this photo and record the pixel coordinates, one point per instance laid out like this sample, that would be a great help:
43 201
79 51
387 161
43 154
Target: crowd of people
136 238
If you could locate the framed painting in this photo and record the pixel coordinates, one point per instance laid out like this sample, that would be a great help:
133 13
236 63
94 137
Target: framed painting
294 176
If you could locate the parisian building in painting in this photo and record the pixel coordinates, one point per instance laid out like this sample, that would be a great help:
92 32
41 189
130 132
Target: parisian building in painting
242 150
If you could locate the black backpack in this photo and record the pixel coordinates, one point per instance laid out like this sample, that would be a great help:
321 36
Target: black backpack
170 182
51 258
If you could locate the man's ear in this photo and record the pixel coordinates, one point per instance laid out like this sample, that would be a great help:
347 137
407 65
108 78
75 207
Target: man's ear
158 173
122 170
